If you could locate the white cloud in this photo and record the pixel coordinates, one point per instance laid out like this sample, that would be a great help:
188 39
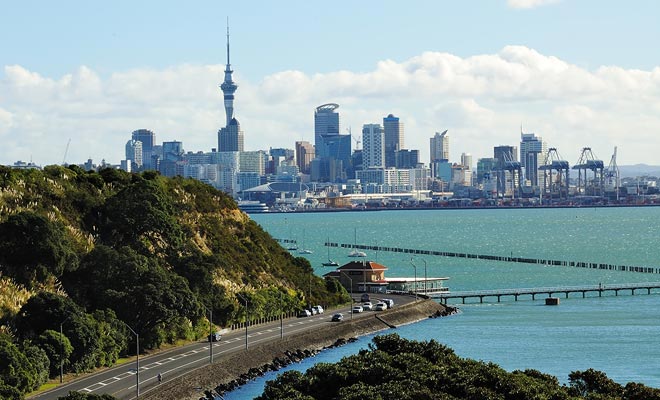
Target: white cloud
529 3
482 100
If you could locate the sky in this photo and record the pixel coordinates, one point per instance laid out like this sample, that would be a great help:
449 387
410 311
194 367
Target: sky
578 73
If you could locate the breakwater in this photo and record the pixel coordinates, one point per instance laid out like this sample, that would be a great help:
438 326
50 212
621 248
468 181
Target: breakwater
510 258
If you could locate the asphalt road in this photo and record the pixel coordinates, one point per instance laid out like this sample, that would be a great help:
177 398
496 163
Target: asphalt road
120 381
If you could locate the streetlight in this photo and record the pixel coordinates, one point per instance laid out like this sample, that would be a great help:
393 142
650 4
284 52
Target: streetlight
246 318
210 310
137 361
415 267
281 315
351 282
425 277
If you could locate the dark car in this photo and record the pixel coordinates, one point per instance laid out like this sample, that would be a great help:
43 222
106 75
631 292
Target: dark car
338 317
214 337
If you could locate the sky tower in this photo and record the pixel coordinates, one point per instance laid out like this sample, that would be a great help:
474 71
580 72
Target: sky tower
228 86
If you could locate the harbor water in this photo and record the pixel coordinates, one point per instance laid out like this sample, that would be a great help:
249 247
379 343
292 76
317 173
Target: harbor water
618 335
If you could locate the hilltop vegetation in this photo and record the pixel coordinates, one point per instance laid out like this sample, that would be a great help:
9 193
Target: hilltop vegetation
101 254
398 369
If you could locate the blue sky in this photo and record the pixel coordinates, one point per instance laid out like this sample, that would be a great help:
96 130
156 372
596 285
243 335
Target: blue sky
577 72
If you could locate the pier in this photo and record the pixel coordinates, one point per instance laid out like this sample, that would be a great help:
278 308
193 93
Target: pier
512 259
496 295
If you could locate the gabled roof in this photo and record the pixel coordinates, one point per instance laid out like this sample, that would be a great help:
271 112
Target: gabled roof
360 266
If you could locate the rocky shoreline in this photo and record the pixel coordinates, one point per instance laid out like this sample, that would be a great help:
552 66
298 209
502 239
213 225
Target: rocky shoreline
239 368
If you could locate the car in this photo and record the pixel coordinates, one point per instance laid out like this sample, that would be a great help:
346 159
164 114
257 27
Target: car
304 313
389 302
317 309
214 337
357 309
338 317
367 306
312 311
380 307
365 297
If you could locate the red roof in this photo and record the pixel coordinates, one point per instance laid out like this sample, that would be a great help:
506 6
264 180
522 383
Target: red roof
360 266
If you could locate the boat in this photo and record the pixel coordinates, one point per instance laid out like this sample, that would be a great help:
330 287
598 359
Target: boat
253 207
355 252
304 250
330 262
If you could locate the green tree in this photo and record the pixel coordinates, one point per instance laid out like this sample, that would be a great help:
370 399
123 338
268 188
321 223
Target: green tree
86 396
16 370
58 349
32 248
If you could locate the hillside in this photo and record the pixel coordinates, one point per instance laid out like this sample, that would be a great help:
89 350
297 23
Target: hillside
106 253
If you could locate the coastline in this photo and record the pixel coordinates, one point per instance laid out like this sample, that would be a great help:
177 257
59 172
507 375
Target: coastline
229 369
440 208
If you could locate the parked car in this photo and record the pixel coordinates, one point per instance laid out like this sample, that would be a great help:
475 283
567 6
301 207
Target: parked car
380 307
214 337
304 313
367 306
389 302
357 309
338 317
317 310
312 311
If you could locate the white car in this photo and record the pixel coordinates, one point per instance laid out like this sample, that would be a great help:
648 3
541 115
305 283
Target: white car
367 306
380 307
357 309
317 310
304 313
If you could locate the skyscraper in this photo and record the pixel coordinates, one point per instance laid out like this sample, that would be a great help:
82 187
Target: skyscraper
230 138
532 152
148 138
304 155
326 122
393 139
373 146
440 146
134 154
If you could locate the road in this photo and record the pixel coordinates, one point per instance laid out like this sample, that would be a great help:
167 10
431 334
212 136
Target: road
120 381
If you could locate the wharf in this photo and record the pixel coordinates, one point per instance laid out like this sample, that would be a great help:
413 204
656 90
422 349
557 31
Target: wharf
498 294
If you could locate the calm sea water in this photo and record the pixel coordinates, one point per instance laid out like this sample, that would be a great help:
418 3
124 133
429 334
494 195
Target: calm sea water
618 335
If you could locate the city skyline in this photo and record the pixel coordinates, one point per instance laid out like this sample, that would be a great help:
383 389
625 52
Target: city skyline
571 95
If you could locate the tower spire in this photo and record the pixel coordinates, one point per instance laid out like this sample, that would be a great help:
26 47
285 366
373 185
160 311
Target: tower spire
228 63
228 86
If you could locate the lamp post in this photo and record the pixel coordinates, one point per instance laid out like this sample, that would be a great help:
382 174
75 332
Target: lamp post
62 350
137 361
351 283
425 277
246 318
210 333
415 267
281 316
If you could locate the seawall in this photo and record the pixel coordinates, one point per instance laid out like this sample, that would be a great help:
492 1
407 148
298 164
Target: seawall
229 368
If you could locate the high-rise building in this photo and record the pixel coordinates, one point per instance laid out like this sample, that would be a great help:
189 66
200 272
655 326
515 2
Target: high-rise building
393 139
148 138
373 146
333 158
406 159
304 155
532 152
466 160
326 122
134 154
253 161
231 137
440 146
